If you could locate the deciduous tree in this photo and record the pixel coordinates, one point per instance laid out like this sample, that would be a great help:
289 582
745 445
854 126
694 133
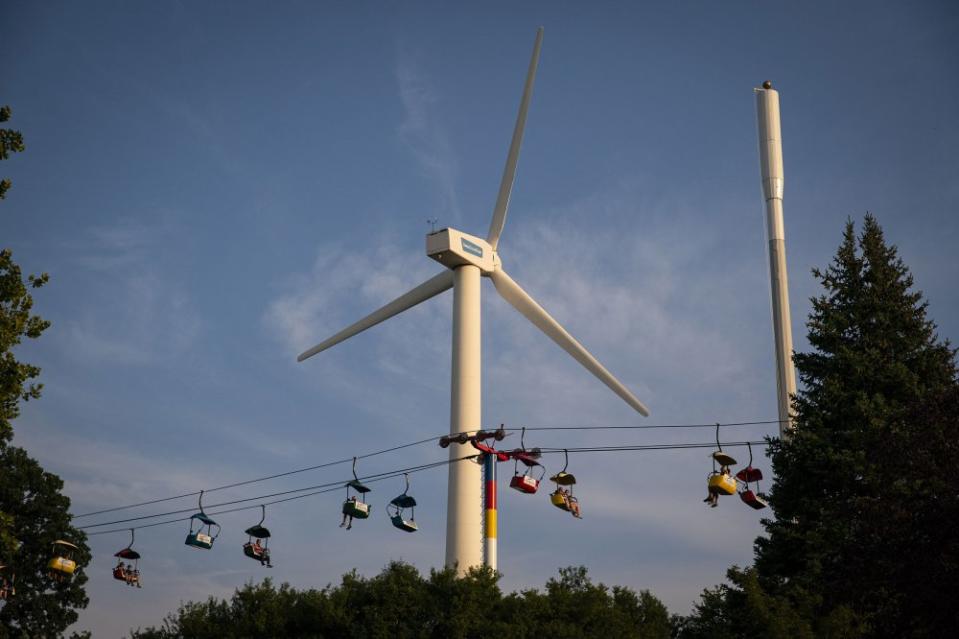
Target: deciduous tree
33 511
400 603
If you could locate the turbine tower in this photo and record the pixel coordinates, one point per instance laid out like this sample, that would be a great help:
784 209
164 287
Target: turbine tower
468 258
771 172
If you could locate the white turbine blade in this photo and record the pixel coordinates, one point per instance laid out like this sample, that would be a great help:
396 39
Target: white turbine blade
430 288
522 302
509 173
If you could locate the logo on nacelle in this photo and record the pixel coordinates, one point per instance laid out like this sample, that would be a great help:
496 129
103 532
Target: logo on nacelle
472 248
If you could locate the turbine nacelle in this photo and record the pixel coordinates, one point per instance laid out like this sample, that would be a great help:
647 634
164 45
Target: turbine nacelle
453 249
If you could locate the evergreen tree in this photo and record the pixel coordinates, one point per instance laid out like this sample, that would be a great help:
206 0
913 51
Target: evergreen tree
863 541
848 480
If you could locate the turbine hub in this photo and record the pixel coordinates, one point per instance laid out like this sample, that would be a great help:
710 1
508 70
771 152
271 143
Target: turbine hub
453 249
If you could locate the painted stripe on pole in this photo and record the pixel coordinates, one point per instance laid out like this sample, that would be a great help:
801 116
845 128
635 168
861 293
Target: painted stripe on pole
491 524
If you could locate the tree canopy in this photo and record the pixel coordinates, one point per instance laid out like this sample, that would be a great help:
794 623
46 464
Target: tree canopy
863 540
33 511
42 606
399 603
16 303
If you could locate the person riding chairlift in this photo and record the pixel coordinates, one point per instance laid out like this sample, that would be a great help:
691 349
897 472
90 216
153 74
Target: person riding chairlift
572 504
133 576
262 553
346 516
127 573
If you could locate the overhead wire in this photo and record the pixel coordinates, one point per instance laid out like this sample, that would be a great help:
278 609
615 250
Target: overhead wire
253 481
624 448
648 426
389 450
286 499
335 484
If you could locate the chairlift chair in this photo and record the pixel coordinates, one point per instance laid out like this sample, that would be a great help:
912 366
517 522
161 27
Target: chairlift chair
749 475
354 506
721 482
63 563
130 577
526 483
564 499
258 551
203 536
398 505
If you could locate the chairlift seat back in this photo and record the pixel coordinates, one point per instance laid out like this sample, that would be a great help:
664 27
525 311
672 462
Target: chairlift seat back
749 475
723 459
524 484
557 500
722 484
250 551
119 573
62 565
752 499
199 540
403 524
356 509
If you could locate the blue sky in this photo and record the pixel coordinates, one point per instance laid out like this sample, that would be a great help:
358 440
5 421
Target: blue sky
214 188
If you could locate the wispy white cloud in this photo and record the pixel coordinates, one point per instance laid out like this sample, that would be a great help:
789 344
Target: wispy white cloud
137 312
344 286
639 295
425 136
102 473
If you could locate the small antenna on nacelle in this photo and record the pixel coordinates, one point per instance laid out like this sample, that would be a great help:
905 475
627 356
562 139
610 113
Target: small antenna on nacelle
432 222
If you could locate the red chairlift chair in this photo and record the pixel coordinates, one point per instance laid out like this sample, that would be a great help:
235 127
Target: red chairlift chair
749 475
526 483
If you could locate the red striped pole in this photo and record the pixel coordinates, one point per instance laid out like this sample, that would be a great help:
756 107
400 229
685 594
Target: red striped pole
489 495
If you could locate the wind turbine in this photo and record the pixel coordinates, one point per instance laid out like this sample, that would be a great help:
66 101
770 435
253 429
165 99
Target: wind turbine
467 258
